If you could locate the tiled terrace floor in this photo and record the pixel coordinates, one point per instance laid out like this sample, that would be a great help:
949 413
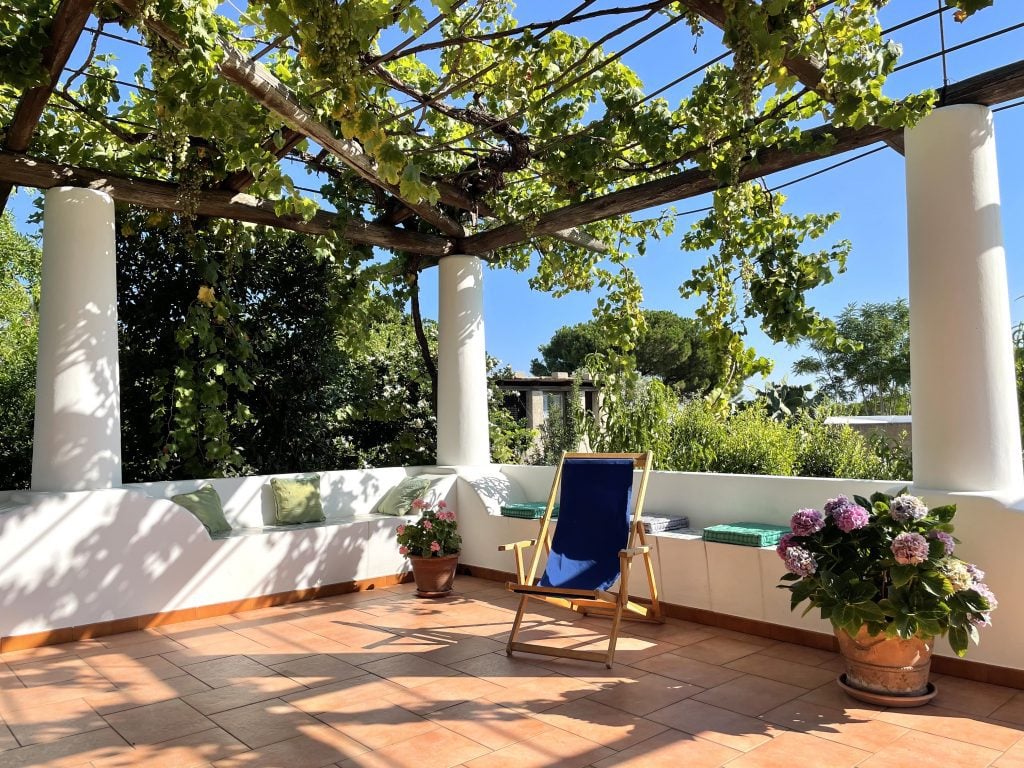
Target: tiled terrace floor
383 679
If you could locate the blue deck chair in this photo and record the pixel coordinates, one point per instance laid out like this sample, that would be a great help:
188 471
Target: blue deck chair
598 533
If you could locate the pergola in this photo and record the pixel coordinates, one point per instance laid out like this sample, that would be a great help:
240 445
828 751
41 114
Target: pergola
966 437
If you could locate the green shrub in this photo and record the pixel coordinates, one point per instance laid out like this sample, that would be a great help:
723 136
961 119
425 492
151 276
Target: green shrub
697 436
755 445
833 450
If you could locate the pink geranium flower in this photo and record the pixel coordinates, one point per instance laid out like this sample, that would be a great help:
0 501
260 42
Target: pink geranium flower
435 547
403 550
419 504
401 530
427 525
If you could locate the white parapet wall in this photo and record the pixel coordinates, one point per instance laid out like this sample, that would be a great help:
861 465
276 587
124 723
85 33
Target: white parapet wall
70 559
742 581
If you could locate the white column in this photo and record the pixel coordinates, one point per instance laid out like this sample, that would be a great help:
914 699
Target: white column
965 434
77 443
462 428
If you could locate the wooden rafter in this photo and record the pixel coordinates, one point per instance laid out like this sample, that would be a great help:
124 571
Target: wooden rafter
809 73
65 30
1000 85
42 174
256 80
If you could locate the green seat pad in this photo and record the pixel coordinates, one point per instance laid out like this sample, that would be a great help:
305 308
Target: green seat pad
297 500
528 510
400 498
205 505
746 534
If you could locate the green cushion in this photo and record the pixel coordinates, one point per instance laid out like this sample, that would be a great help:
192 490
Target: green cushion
528 510
400 498
205 505
298 500
746 534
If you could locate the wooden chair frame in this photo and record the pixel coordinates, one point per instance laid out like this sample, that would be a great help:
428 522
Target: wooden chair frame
588 602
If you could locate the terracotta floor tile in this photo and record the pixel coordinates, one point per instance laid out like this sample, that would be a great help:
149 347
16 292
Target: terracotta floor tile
1012 758
454 690
783 671
312 671
501 669
464 648
77 750
50 672
646 694
151 647
542 693
46 651
264 722
313 747
955 725
410 670
551 748
688 670
192 656
601 724
718 650
123 639
750 695
721 726
863 733
190 751
800 654
832 696
791 749
227 670
671 749
145 672
924 750
489 724
1012 711
12 701
327 698
131 696
250 691
7 740
376 723
8 678
439 748
53 721
971 697
677 633
154 723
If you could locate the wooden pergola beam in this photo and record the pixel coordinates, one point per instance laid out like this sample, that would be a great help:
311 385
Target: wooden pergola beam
999 85
256 80
66 28
42 174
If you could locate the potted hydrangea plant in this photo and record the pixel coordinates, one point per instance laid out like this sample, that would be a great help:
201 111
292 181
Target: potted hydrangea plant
884 573
432 545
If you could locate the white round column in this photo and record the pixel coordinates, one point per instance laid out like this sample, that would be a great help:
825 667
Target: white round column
77 444
966 434
463 436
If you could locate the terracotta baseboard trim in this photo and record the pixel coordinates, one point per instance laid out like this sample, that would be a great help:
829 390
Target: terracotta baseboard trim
134 623
943 665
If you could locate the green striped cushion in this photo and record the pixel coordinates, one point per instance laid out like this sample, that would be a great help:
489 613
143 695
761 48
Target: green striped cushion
746 534
528 510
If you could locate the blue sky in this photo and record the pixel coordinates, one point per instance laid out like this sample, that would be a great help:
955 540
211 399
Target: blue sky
868 193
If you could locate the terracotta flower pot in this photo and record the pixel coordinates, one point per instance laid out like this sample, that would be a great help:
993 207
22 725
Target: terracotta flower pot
434 575
886 669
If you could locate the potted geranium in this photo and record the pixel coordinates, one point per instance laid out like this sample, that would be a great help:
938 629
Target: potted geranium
884 573
432 545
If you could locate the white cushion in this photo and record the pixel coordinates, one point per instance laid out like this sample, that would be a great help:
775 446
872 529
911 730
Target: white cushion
496 490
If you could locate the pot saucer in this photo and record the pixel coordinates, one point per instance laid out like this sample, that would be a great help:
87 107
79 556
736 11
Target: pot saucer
885 699
434 595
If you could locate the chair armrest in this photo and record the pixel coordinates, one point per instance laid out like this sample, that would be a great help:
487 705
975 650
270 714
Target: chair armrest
634 551
517 545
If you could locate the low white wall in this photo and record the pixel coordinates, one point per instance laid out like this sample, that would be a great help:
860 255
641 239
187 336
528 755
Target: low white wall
742 581
68 559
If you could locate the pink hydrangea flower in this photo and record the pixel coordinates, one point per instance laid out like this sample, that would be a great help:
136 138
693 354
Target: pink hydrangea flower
806 522
784 544
946 539
834 504
403 550
851 517
435 547
427 525
907 509
910 548
800 561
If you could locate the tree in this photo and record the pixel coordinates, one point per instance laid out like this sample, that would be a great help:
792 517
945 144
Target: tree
20 260
669 347
872 370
